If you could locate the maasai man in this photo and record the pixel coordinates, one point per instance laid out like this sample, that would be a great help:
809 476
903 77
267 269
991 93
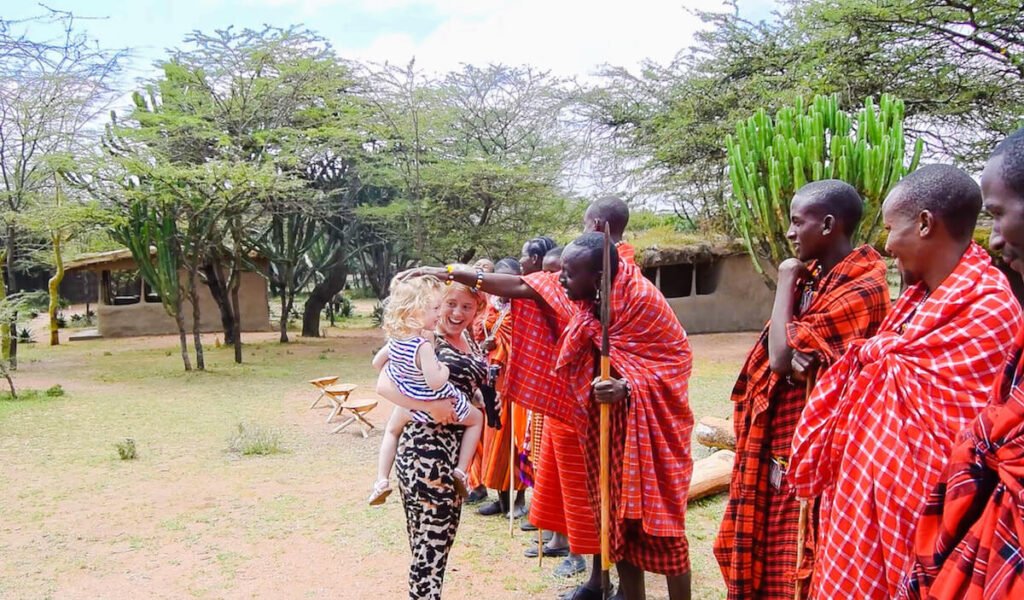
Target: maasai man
968 541
828 296
530 262
651 419
560 495
877 431
497 342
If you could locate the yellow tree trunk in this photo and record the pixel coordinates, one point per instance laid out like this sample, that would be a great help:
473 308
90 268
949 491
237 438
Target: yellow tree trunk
54 288
5 325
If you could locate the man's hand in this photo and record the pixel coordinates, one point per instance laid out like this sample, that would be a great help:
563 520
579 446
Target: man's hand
438 272
791 272
609 391
803 364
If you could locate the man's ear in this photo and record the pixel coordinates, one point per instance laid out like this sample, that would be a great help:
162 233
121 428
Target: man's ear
925 223
828 225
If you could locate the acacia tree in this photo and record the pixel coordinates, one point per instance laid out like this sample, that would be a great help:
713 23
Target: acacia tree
54 90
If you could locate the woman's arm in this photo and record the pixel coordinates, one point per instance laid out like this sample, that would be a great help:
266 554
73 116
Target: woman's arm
435 373
441 410
498 284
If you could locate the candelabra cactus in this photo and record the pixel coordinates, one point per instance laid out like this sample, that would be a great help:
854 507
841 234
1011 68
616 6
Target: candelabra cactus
769 159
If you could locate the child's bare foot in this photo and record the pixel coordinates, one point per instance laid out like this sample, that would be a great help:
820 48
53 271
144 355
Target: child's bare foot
381 491
461 483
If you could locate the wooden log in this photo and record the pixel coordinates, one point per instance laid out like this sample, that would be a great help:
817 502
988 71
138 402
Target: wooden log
714 432
711 475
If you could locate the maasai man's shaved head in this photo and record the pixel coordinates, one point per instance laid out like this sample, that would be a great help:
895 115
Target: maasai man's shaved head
1011 165
553 260
582 263
607 209
836 198
946 192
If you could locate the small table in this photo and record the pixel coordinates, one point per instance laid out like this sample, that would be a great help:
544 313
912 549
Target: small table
337 395
322 383
356 410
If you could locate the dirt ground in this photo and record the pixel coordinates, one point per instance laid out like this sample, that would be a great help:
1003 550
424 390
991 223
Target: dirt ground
190 519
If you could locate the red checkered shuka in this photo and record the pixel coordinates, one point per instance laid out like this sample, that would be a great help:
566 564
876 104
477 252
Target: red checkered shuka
876 433
530 374
757 542
650 435
968 541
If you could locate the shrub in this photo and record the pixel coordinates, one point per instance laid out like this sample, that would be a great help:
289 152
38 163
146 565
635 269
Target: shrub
257 440
345 307
25 336
55 391
62 321
378 314
126 449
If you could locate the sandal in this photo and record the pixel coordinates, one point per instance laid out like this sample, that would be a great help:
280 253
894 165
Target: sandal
461 482
381 491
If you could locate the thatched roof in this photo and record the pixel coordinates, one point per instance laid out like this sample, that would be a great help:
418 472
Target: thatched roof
668 253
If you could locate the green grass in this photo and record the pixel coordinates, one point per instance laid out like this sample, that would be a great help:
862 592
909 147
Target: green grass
188 518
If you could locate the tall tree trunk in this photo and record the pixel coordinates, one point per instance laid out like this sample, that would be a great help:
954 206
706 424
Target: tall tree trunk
197 336
219 291
236 280
53 287
287 300
334 282
179 318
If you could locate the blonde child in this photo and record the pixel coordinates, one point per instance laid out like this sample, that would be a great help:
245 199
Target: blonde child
408 360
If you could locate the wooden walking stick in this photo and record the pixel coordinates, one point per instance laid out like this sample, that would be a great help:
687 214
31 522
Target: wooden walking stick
512 471
605 476
805 509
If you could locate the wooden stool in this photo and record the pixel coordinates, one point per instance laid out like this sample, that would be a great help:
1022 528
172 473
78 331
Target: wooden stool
356 410
338 395
322 383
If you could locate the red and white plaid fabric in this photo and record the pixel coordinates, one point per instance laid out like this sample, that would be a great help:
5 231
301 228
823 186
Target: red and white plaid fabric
878 429
650 435
530 379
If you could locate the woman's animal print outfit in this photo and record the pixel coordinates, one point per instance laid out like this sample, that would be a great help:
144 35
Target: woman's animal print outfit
427 455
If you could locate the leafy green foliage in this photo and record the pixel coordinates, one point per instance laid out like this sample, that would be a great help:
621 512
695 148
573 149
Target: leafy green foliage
255 440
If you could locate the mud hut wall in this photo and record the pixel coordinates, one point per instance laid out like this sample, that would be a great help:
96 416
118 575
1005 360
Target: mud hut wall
150 318
740 301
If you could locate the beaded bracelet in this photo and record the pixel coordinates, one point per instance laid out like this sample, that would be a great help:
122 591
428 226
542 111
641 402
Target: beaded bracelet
451 274
479 279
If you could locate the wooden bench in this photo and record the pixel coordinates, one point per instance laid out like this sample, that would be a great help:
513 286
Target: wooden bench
357 409
322 383
337 395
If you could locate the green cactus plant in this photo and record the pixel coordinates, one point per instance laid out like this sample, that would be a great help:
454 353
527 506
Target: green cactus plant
769 159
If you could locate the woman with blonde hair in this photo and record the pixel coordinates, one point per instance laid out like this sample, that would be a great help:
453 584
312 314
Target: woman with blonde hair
428 452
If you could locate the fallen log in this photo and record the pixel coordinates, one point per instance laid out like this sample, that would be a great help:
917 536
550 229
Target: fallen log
711 475
714 432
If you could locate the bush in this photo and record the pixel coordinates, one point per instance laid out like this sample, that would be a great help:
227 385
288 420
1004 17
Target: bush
252 440
62 321
126 449
345 307
25 336
378 314
55 391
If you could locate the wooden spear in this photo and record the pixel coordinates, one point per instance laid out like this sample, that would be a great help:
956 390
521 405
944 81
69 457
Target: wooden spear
605 483
511 472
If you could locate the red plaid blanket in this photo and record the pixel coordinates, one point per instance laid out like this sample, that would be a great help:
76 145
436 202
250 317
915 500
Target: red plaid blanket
877 431
757 543
968 541
651 461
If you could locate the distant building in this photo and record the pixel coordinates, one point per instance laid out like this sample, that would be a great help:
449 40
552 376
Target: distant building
126 306
711 289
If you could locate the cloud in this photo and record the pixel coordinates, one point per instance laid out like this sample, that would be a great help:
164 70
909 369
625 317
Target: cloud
570 37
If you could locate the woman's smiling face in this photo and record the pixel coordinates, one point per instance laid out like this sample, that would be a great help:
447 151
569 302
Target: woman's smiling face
458 310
